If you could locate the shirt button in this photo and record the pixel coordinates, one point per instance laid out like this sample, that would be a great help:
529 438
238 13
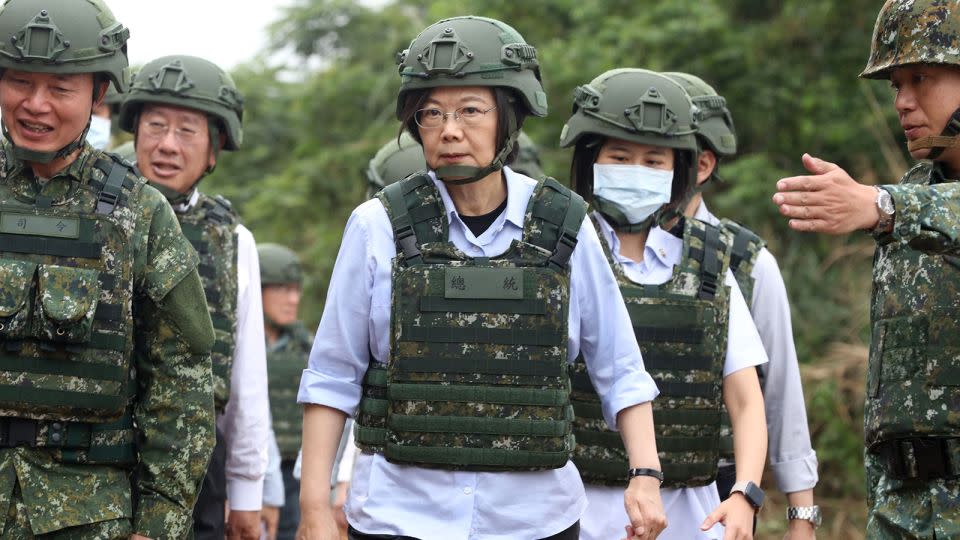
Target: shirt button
467 491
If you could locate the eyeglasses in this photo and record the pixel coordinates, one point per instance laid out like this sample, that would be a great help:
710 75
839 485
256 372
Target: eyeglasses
433 118
157 130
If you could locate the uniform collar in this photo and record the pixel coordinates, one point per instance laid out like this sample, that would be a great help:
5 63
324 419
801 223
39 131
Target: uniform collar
516 203
704 215
661 245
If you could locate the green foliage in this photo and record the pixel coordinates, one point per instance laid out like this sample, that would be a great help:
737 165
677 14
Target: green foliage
788 70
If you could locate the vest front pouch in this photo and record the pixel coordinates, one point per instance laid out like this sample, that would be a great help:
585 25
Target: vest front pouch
16 294
67 300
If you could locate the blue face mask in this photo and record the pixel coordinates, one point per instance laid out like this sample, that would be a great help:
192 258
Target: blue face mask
99 133
636 191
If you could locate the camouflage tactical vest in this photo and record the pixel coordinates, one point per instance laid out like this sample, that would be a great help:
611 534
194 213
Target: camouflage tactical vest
913 376
66 336
681 327
285 364
744 252
210 227
477 377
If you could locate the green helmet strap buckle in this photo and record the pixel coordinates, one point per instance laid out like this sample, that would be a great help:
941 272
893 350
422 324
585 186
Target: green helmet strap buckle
171 78
445 54
651 114
40 39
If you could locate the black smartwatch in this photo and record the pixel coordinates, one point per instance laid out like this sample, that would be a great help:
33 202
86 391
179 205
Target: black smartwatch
751 492
633 473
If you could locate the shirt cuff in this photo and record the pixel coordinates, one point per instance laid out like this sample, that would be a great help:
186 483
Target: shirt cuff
635 388
797 474
322 389
245 495
906 225
157 518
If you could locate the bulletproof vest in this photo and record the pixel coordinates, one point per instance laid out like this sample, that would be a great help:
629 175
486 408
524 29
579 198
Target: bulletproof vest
285 364
913 378
66 330
477 375
744 251
681 327
210 227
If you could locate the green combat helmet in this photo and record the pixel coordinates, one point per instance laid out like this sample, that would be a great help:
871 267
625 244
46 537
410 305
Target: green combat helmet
473 51
191 82
66 37
640 106
528 158
396 160
917 32
279 265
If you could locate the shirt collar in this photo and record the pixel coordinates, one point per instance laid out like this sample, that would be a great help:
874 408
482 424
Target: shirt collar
516 203
704 215
661 245
73 170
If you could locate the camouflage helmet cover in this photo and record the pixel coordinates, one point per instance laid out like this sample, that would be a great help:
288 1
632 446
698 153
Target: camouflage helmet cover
396 160
637 105
279 265
63 36
914 32
472 51
191 82
714 121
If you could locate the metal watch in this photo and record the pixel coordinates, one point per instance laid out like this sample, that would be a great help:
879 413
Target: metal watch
751 492
806 513
885 208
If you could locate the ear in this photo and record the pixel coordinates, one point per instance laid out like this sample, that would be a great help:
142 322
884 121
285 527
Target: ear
100 93
706 164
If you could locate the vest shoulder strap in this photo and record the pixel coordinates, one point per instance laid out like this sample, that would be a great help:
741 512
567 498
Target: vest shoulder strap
746 246
416 214
117 173
713 258
553 219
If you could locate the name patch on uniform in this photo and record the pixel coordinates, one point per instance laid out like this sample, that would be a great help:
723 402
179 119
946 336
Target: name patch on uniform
484 283
56 227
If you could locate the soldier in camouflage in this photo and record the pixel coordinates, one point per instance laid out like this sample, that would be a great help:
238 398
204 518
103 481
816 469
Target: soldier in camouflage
183 111
911 425
459 297
106 398
636 159
792 458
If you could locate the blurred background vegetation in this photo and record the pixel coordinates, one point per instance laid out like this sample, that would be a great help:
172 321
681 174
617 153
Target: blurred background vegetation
788 70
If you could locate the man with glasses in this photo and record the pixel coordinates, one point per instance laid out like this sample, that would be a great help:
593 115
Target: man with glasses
183 111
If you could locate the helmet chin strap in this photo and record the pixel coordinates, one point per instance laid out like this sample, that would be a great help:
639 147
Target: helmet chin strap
619 221
35 156
173 196
948 138
459 175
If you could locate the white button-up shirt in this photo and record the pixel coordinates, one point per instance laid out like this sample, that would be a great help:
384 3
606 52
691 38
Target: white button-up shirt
685 508
792 458
387 498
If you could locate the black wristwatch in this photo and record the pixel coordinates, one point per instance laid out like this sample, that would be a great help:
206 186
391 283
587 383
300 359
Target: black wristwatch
751 492
633 473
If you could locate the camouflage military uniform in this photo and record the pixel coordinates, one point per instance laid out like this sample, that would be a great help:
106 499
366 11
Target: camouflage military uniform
47 490
913 373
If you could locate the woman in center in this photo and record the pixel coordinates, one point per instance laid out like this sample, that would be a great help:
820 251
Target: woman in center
636 160
458 300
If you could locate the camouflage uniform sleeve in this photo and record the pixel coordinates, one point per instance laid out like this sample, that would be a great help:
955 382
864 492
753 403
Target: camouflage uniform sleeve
174 408
927 217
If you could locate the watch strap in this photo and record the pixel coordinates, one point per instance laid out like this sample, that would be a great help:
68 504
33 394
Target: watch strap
641 471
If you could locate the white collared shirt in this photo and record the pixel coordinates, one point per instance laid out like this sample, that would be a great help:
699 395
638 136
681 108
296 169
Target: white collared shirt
685 508
792 458
245 422
386 498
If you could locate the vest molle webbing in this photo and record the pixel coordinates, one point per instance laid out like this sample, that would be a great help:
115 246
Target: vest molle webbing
681 327
477 377
285 364
66 339
210 227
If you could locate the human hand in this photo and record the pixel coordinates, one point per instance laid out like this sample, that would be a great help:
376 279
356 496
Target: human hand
317 524
243 525
800 529
644 508
736 514
827 201
270 517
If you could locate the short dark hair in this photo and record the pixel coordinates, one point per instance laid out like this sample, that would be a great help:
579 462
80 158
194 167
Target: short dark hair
588 149
507 103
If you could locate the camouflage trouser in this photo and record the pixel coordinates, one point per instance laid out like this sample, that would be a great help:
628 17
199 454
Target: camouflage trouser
910 510
17 526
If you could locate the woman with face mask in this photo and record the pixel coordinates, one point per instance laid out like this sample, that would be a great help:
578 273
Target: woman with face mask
635 161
